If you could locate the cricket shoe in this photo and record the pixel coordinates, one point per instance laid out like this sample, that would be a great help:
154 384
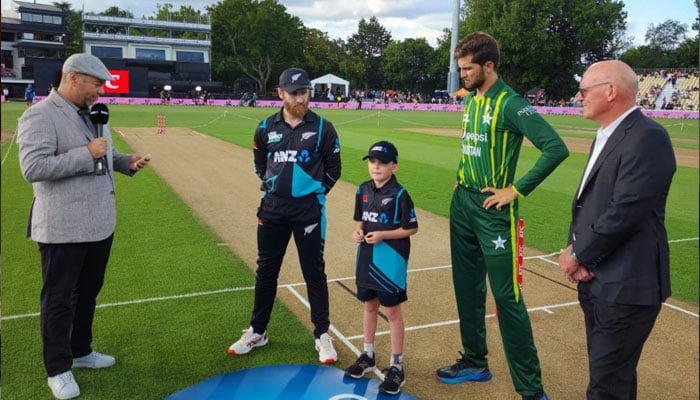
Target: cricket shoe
63 386
94 360
463 370
393 380
248 340
326 351
362 365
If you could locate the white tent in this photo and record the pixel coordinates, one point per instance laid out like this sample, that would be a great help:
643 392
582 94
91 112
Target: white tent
319 85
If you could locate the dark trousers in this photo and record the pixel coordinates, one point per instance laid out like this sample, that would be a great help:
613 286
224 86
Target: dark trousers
72 274
273 239
615 336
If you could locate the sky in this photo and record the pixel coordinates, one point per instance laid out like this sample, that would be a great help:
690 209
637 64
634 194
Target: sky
403 18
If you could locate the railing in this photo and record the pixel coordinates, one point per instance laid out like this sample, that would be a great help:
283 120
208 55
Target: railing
675 114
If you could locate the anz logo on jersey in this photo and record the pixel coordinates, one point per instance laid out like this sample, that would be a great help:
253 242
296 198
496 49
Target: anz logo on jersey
371 216
293 156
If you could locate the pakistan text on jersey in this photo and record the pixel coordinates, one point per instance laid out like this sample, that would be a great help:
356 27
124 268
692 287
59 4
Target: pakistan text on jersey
471 151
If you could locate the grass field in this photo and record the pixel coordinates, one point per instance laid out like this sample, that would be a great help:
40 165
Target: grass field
162 252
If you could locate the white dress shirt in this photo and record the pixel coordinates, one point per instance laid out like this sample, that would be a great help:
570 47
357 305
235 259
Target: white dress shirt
600 139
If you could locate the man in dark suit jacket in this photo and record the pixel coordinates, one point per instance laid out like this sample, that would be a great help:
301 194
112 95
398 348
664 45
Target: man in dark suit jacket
618 248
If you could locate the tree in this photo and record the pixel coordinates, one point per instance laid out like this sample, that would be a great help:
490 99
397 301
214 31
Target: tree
667 46
321 56
255 38
440 65
74 39
544 43
115 11
166 12
666 36
406 65
368 44
645 57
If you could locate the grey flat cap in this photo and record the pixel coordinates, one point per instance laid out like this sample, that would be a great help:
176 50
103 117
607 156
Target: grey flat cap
88 64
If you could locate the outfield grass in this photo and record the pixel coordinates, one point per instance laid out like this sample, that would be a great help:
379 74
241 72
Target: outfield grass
161 250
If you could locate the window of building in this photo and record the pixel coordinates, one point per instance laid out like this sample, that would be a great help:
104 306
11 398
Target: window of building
150 54
189 56
40 18
106 52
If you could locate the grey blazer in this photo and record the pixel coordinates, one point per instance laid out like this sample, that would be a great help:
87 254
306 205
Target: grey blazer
618 228
71 204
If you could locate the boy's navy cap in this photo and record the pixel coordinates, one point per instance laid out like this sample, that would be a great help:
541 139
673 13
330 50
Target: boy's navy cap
87 64
293 79
383 151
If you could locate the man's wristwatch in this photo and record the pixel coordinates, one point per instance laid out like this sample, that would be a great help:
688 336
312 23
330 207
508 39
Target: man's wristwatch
573 255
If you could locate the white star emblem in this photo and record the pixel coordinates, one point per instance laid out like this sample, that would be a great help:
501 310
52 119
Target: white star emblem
500 243
465 118
487 119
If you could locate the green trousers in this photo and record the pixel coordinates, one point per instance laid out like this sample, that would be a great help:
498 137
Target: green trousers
482 244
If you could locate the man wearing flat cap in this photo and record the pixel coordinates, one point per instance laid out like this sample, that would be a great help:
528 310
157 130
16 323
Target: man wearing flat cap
297 156
73 214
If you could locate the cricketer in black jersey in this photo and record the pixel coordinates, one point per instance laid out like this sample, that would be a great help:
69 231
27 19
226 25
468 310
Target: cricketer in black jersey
298 166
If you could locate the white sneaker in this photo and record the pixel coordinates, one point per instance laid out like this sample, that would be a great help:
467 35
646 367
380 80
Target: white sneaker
248 340
326 351
94 360
63 386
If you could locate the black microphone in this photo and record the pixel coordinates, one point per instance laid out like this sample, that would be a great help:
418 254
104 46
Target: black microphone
99 115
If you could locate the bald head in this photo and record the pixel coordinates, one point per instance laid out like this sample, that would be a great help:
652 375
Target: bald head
618 73
608 90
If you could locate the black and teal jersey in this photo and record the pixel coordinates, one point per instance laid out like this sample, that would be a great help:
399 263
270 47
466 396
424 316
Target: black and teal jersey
382 266
493 129
298 162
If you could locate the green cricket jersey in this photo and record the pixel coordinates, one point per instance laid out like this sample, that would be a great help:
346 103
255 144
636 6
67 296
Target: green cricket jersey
492 133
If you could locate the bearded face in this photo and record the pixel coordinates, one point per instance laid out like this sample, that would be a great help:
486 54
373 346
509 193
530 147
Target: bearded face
476 80
296 103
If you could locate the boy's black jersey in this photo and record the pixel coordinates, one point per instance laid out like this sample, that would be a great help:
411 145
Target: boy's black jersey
382 266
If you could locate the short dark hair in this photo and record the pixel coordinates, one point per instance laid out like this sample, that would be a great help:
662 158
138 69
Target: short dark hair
481 46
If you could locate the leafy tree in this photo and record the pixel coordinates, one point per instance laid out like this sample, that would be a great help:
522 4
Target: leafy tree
406 65
369 44
667 46
687 54
645 57
166 12
115 11
321 56
544 43
666 36
74 39
255 38
440 65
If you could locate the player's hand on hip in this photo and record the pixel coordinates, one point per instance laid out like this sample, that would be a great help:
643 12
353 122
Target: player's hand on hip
500 197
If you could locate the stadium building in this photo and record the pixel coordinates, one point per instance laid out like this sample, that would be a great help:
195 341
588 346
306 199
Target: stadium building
145 56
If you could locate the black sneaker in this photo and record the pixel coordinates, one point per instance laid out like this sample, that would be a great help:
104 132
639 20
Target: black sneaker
393 380
463 371
362 365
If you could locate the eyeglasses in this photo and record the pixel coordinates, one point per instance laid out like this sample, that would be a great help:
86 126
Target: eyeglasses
583 90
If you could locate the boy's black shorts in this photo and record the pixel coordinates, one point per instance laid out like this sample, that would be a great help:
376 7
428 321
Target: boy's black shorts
386 299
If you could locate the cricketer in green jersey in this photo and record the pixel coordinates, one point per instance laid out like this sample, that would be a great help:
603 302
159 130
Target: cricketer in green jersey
484 215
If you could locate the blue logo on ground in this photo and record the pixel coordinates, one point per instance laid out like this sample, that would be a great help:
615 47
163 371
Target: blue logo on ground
288 381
